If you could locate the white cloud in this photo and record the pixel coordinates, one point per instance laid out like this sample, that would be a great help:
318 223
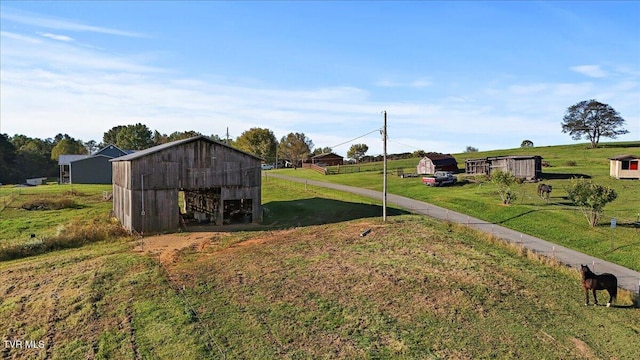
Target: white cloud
417 83
593 71
41 21
50 87
22 51
56 37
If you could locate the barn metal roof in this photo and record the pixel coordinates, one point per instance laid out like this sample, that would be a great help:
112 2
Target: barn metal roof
68 159
154 149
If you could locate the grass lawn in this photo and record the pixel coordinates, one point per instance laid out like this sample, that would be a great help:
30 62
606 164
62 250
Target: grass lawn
306 284
556 220
412 288
77 203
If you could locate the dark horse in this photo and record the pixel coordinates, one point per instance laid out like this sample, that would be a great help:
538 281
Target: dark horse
544 190
593 282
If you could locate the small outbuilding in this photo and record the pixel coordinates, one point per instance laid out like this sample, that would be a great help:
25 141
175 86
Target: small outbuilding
89 169
624 167
526 167
433 162
327 159
217 183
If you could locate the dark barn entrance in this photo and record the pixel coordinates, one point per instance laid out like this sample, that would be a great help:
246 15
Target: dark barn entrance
200 205
237 211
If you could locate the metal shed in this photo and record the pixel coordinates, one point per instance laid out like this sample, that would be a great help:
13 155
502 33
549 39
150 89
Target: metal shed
216 182
89 169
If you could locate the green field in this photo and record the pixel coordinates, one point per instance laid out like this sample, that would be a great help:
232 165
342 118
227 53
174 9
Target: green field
556 220
305 284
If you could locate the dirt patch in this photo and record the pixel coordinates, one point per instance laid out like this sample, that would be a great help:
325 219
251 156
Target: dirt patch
167 246
583 349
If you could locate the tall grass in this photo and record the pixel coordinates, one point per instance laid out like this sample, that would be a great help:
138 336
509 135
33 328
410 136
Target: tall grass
67 236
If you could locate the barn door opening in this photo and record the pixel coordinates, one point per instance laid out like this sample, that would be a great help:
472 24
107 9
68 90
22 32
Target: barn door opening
237 211
199 206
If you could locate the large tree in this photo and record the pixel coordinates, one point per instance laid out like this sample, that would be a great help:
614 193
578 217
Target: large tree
592 120
7 160
67 145
258 141
322 150
295 147
111 136
129 137
180 135
357 151
33 157
92 146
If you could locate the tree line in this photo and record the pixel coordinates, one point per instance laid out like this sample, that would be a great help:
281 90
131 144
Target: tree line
22 157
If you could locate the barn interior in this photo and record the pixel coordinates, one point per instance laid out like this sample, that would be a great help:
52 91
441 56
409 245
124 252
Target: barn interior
202 206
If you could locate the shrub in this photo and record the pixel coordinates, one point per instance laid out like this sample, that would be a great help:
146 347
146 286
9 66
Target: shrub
590 198
504 180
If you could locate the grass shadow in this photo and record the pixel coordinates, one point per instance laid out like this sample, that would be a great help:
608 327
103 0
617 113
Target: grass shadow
562 176
304 212
318 211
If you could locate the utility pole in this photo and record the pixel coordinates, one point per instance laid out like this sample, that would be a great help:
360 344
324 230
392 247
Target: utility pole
227 142
384 172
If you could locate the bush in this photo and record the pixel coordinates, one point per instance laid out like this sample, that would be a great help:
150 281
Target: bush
504 180
571 163
590 198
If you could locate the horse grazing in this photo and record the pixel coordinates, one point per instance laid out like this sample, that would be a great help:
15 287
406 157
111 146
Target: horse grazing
593 282
544 190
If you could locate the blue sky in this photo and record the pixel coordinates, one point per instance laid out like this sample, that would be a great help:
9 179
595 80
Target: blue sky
449 74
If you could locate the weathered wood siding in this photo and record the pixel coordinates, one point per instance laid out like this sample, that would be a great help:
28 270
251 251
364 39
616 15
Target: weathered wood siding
524 168
477 167
146 187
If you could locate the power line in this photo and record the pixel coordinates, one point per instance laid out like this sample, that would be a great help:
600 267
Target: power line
413 147
361 136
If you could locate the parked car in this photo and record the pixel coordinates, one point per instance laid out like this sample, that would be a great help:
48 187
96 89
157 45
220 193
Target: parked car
440 178
267 166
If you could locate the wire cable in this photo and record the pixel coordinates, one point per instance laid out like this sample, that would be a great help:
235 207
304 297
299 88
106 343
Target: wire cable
361 136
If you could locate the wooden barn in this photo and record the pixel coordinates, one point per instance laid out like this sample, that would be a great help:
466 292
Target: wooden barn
624 167
433 162
215 182
523 167
327 159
